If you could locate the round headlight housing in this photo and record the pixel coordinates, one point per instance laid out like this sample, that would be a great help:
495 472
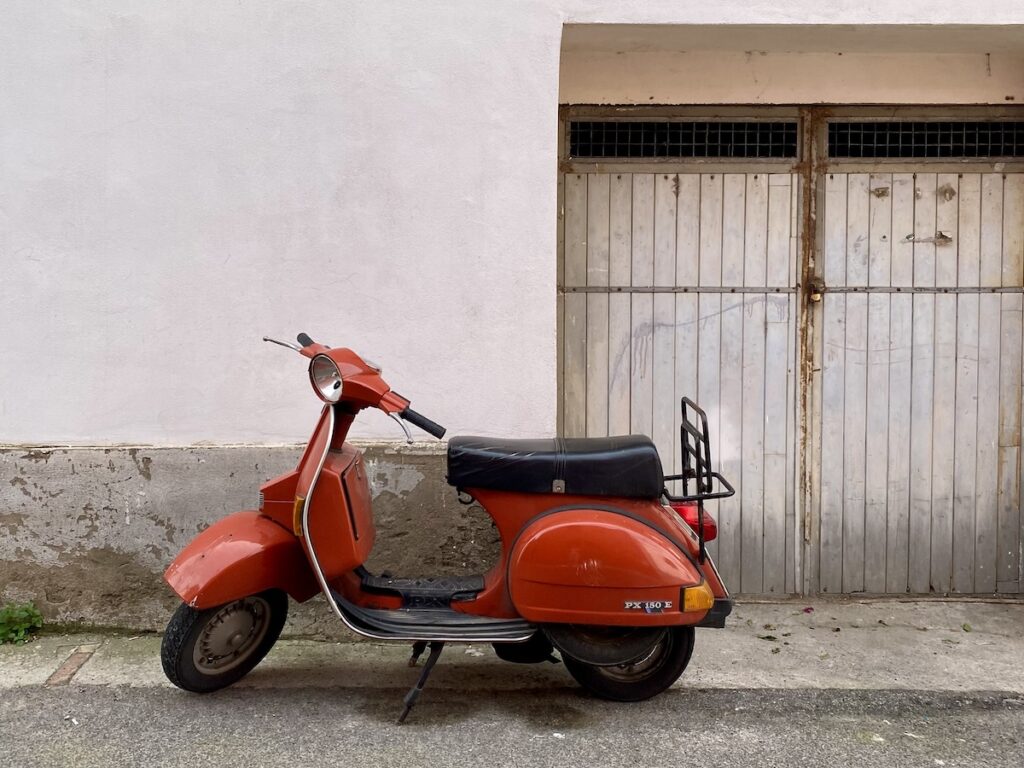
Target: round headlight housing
325 378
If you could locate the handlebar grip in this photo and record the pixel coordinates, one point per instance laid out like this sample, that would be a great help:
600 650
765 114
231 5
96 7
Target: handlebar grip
304 340
423 423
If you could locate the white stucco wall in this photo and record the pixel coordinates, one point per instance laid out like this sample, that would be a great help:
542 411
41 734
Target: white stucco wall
177 180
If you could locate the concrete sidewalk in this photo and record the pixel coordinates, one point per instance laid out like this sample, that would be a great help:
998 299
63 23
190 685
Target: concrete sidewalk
881 645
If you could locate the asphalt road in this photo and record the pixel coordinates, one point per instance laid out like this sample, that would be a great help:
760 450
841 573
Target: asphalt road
108 726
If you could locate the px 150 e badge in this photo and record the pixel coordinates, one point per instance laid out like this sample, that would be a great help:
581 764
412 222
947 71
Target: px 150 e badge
648 606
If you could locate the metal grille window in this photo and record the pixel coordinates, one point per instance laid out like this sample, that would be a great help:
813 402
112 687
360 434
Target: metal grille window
638 139
924 139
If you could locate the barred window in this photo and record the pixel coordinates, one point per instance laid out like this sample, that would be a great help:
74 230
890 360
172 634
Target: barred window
716 139
923 139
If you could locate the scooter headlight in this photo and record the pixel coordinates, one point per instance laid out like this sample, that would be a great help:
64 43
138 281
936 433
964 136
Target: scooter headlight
325 378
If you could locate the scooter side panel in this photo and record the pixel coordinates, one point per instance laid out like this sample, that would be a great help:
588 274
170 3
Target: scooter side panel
243 554
340 518
587 566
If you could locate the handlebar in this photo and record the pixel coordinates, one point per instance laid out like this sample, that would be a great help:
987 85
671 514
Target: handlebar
421 421
417 419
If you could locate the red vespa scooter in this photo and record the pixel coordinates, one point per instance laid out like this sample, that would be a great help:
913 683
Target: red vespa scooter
598 560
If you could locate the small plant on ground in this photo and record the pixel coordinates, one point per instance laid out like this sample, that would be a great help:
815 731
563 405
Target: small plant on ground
18 622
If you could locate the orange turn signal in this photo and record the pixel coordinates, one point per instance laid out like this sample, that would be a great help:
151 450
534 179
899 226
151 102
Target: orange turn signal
300 504
699 598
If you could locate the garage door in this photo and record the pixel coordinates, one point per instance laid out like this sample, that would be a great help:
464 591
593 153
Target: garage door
868 414
921 382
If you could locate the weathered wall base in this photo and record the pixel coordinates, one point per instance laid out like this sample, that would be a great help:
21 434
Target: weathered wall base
87 532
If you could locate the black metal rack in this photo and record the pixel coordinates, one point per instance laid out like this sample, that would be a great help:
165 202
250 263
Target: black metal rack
697 467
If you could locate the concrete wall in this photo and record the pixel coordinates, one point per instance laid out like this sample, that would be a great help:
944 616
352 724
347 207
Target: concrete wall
86 532
178 179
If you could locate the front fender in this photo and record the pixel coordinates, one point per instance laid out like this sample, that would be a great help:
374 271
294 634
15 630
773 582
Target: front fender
241 555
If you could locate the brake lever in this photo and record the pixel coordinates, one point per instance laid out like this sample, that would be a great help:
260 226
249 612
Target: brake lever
288 344
408 435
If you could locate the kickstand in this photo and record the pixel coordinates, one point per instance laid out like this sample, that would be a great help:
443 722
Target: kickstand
414 694
417 650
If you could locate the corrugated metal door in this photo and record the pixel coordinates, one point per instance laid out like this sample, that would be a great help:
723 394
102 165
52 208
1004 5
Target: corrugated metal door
921 382
684 284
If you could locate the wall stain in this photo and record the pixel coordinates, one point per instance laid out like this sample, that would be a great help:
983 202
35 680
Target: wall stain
142 465
12 521
37 455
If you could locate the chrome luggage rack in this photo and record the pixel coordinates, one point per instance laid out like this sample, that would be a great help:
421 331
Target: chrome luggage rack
697 467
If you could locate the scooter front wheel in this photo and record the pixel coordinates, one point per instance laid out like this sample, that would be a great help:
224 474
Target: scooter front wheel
642 678
206 650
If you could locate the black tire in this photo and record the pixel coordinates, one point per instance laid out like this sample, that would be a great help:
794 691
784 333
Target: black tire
642 679
258 620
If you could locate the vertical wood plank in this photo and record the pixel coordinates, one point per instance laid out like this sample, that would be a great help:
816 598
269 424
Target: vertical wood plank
965 430
855 395
641 390
943 420
922 387
1013 276
686 342
876 466
897 540
987 462
990 268
575 229
687 262
575 356
989 315
598 252
752 372
560 304
780 234
777 364
709 307
777 434
797 570
665 189
1008 516
1013 230
710 257
902 255
709 369
799 555
833 387
730 545
574 381
620 261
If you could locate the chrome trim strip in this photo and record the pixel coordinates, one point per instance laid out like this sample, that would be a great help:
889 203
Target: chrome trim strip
325 587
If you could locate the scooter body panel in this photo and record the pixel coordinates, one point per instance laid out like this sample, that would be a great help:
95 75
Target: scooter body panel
240 555
340 518
600 566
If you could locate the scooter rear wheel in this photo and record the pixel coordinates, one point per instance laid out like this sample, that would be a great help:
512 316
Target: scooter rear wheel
207 650
640 679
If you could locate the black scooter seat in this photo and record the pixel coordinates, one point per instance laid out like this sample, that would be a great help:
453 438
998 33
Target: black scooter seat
624 466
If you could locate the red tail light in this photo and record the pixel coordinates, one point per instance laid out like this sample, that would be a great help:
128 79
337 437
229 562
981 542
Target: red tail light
688 511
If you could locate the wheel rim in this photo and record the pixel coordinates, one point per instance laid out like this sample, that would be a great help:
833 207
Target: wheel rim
231 635
641 668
